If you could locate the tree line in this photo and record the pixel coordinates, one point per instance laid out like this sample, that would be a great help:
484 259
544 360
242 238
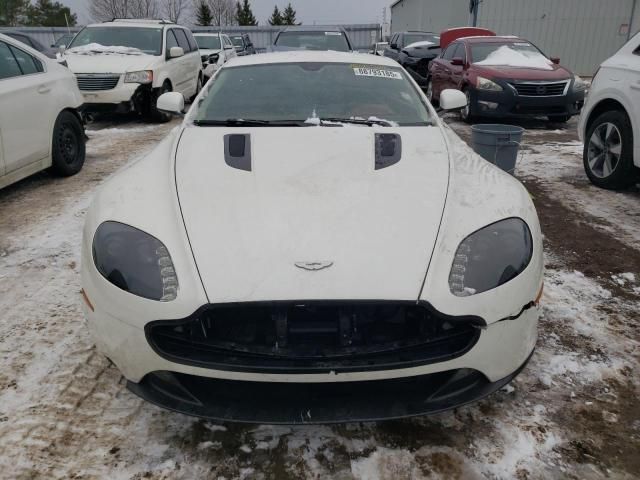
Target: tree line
42 13
225 12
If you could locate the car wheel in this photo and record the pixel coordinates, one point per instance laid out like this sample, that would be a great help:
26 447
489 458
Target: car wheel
68 144
156 115
465 113
608 151
559 118
198 88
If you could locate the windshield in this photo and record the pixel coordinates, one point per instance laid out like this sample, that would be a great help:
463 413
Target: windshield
206 42
237 41
147 40
410 38
516 54
309 92
314 41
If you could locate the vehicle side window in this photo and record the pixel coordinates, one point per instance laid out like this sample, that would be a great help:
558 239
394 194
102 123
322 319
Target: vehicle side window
182 40
26 62
394 39
450 51
8 64
461 52
192 41
227 41
171 41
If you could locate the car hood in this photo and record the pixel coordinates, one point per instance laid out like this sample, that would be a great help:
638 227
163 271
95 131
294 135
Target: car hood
209 51
556 72
313 196
423 50
107 62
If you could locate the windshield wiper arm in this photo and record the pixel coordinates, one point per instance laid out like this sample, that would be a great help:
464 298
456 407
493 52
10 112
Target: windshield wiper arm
240 122
359 121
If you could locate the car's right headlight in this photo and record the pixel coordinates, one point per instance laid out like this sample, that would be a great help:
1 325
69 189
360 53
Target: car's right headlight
491 257
143 76
486 84
134 261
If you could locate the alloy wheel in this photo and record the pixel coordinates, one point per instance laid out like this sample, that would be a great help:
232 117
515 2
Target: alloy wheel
605 148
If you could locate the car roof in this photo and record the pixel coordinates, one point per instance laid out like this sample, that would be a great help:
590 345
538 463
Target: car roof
23 46
210 34
491 39
136 23
313 28
312 56
420 31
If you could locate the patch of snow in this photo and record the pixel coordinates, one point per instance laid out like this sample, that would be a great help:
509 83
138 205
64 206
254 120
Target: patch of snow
510 57
424 43
97 49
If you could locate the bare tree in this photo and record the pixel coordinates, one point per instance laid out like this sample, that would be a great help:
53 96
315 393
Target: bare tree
143 8
108 9
223 12
174 9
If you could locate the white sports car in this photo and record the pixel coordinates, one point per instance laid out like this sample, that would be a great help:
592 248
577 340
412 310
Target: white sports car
312 245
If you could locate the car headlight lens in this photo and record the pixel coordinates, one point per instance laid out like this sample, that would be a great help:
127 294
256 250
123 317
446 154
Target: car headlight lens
578 83
135 261
143 76
486 84
491 257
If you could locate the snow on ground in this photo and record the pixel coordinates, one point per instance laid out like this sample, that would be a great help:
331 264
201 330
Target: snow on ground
65 412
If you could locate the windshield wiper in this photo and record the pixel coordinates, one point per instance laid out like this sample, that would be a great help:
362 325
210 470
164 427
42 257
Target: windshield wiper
242 122
358 121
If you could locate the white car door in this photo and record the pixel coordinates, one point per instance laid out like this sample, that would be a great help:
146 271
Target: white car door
185 63
26 102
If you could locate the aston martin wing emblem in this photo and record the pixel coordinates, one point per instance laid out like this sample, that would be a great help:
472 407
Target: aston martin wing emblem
313 266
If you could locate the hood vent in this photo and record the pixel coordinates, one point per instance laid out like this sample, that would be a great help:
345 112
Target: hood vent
237 151
388 149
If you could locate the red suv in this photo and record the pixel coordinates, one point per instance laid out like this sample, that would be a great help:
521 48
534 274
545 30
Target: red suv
505 77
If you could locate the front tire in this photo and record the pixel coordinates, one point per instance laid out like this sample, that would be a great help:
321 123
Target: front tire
156 115
68 152
608 151
465 113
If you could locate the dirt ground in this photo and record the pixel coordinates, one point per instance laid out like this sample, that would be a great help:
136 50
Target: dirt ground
572 413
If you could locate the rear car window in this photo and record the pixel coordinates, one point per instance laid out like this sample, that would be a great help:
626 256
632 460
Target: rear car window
335 41
8 65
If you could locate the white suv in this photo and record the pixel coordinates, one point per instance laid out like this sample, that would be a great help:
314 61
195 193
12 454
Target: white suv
125 65
215 50
610 120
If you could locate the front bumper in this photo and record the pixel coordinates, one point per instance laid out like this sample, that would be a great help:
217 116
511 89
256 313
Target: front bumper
508 103
287 403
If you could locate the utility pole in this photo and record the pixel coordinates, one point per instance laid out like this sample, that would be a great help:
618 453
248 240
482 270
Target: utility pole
473 9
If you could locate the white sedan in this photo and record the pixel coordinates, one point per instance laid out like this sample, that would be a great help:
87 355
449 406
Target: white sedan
313 245
39 123
610 120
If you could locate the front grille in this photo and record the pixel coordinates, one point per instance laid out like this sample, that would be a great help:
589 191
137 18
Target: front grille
301 337
97 82
540 89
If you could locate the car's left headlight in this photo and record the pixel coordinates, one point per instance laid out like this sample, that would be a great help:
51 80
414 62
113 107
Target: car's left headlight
486 84
491 257
143 76
578 83
135 261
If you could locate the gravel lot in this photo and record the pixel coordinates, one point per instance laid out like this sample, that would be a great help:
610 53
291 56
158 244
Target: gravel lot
572 413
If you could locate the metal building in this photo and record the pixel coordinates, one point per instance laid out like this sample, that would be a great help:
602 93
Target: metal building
583 33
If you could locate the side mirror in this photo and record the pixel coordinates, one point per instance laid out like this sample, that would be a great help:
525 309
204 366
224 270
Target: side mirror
555 60
393 46
176 52
452 99
171 102
457 61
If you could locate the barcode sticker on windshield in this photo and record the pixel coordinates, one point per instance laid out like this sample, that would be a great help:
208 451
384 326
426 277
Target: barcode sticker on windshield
376 72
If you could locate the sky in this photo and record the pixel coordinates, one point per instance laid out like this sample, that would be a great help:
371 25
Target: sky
308 11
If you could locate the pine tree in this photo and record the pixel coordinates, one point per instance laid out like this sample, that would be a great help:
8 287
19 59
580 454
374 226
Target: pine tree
203 14
49 14
289 16
244 15
276 17
12 12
